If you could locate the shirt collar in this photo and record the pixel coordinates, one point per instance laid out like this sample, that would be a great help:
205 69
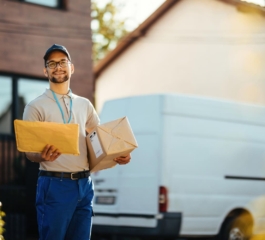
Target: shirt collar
48 92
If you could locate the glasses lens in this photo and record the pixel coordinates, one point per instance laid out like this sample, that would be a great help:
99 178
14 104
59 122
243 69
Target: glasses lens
51 65
63 63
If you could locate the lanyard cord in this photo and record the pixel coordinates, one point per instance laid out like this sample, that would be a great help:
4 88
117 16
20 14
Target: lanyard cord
57 101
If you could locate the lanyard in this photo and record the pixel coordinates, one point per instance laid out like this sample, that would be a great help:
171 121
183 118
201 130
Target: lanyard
57 101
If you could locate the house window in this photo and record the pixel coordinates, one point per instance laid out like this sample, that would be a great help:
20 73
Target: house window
48 3
6 104
28 90
15 93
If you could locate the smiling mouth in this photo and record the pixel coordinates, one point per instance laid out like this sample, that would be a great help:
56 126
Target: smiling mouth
59 73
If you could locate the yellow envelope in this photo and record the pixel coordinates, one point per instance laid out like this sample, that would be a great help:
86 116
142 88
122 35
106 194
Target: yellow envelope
34 136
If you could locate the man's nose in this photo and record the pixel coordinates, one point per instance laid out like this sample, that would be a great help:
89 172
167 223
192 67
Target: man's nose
58 65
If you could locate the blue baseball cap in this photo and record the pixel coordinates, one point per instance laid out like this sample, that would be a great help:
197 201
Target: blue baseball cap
56 47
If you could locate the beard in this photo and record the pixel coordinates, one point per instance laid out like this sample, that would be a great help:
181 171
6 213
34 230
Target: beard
59 79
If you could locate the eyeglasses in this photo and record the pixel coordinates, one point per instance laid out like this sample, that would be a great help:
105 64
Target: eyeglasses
62 63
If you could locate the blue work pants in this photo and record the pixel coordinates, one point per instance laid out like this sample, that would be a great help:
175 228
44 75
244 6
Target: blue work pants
64 208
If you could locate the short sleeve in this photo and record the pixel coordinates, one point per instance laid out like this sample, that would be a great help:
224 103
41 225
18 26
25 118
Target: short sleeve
31 114
93 118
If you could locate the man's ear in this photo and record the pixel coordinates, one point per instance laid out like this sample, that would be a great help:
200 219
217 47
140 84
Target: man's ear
72 68
45 72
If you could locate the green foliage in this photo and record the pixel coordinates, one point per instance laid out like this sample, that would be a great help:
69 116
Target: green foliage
107 28
2 223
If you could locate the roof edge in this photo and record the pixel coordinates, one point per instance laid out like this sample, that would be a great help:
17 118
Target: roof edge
132 37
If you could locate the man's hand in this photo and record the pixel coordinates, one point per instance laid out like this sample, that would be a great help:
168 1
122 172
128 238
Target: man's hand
49 153
123 159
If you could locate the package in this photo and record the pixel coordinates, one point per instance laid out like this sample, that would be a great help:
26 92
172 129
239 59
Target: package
108 141
34 136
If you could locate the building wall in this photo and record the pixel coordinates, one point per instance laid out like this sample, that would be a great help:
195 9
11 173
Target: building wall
27 30
205 47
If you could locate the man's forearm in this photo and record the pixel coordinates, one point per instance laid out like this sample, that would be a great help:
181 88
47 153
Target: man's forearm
35 157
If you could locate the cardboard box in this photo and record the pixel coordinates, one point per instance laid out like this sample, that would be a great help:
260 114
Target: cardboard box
108 141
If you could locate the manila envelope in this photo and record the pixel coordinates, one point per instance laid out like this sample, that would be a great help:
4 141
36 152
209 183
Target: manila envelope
108 141
34 136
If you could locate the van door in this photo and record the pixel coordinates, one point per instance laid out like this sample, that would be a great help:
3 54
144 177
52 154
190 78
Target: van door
129 195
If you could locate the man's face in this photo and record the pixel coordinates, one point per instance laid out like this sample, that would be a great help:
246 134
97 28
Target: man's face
59 74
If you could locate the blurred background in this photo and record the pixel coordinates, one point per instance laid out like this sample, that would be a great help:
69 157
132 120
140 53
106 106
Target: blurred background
120 48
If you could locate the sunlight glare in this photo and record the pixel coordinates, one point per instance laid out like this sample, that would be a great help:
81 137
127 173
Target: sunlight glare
257 2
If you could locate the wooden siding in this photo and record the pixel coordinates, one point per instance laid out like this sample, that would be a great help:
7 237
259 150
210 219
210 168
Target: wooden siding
204 48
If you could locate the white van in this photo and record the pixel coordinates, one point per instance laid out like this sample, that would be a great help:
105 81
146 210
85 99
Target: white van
199 170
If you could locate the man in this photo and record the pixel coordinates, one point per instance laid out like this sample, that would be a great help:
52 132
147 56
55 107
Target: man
64 190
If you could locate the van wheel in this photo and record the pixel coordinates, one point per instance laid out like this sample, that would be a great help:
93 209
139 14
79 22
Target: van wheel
237 228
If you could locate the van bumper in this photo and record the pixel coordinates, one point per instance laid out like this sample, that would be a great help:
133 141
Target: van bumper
167 226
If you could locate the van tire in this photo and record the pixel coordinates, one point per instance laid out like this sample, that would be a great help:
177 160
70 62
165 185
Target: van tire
237 228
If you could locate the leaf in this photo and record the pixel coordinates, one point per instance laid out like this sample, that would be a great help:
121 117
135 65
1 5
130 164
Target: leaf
2 223
2 214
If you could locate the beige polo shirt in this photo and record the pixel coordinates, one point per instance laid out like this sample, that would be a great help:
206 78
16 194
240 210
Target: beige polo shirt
45 109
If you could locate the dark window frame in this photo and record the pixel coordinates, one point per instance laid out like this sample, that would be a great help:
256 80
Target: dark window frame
15 108
60 6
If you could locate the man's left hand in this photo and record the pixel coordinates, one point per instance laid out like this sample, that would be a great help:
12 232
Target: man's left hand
123 159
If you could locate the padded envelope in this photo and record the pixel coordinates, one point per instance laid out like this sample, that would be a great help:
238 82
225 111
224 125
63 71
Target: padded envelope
34 136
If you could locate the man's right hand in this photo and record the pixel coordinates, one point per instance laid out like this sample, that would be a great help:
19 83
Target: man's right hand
49 153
